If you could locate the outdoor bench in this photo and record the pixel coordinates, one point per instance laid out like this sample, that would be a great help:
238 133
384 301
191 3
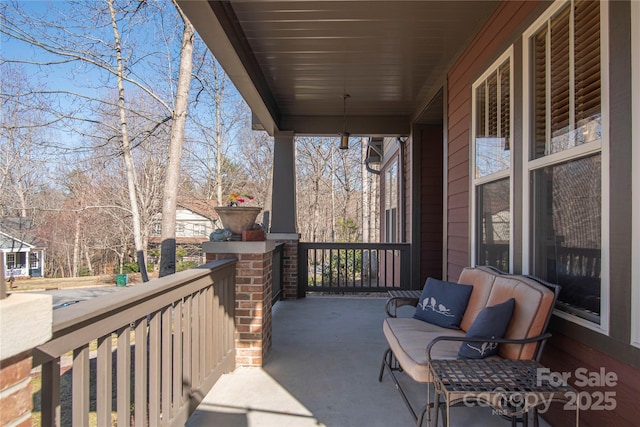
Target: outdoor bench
414 342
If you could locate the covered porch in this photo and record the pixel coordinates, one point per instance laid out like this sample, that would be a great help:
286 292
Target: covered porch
322 371
410 70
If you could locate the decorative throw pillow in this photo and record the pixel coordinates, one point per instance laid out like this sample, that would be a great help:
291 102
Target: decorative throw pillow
492 322
443 303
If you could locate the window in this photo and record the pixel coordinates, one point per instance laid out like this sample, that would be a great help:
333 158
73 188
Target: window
156 229
566 159
492 136
11 260
179 227
16 260
635 53
199 230
391 203
33 261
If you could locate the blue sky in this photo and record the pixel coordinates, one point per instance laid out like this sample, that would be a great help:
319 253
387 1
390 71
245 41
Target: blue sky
90 80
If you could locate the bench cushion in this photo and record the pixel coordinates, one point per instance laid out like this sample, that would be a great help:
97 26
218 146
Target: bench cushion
415 335
533 303
482 280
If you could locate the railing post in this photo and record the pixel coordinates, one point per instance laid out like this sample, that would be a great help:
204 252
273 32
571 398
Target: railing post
50 394
405 267
303 269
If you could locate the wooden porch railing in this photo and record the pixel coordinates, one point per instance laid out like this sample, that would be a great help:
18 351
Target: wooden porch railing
353 267
173 338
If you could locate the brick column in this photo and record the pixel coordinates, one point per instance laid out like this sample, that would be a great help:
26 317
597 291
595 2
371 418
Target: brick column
25 323
290 263
15 391
254 282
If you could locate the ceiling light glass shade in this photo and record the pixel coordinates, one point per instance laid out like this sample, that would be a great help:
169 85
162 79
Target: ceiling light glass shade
344 140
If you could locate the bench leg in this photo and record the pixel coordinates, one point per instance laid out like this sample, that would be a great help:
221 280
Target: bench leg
386 360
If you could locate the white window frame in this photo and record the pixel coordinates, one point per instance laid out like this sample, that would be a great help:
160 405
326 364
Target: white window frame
635 145
35 262
199 230
475 181
577 152
11 260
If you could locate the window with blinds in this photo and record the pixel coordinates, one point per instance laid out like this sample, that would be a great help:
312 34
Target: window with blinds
493 122
492 164
566 79
566 173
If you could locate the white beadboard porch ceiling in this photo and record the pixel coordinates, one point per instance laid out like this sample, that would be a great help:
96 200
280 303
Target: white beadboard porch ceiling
293 61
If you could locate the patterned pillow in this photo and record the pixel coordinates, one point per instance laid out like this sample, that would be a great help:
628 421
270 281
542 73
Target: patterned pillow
492 322
443 303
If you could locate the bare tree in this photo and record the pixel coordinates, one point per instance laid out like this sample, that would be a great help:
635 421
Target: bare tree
85 42
168 251
22 135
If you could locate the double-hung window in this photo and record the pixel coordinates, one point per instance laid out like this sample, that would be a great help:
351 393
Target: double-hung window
491 144
33 261
566 157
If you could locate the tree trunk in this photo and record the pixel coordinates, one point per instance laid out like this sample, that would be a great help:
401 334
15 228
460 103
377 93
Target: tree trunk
89 264
169 201
126 147
76 246
366 195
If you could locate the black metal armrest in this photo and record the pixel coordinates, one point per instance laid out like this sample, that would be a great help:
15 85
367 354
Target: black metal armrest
537 338
396 302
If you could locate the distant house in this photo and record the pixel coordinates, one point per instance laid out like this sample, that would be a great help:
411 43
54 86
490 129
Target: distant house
23 253
195 221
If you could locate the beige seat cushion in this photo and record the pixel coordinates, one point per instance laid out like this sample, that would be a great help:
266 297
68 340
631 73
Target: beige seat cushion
415 335
533 303
482 281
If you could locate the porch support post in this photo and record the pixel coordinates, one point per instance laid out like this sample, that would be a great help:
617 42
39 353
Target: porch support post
283 206
284 227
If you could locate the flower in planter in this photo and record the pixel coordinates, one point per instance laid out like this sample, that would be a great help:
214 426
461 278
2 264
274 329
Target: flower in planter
236 199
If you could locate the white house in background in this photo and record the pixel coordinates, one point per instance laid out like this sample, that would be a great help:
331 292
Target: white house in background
23 253
196 219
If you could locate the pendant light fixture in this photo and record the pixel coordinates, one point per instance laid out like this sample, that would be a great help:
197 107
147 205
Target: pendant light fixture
344 135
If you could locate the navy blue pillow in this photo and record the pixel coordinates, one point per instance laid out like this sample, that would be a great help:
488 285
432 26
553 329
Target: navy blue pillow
443 303
492 322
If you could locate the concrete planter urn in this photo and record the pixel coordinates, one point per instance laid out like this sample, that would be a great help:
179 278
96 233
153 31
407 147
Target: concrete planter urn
238 218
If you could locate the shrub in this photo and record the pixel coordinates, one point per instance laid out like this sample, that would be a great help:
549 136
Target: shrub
130 267
185 265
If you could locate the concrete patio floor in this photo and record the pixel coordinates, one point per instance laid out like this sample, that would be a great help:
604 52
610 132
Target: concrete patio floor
322 371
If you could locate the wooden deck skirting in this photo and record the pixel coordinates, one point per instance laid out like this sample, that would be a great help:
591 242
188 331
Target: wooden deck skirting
186 321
